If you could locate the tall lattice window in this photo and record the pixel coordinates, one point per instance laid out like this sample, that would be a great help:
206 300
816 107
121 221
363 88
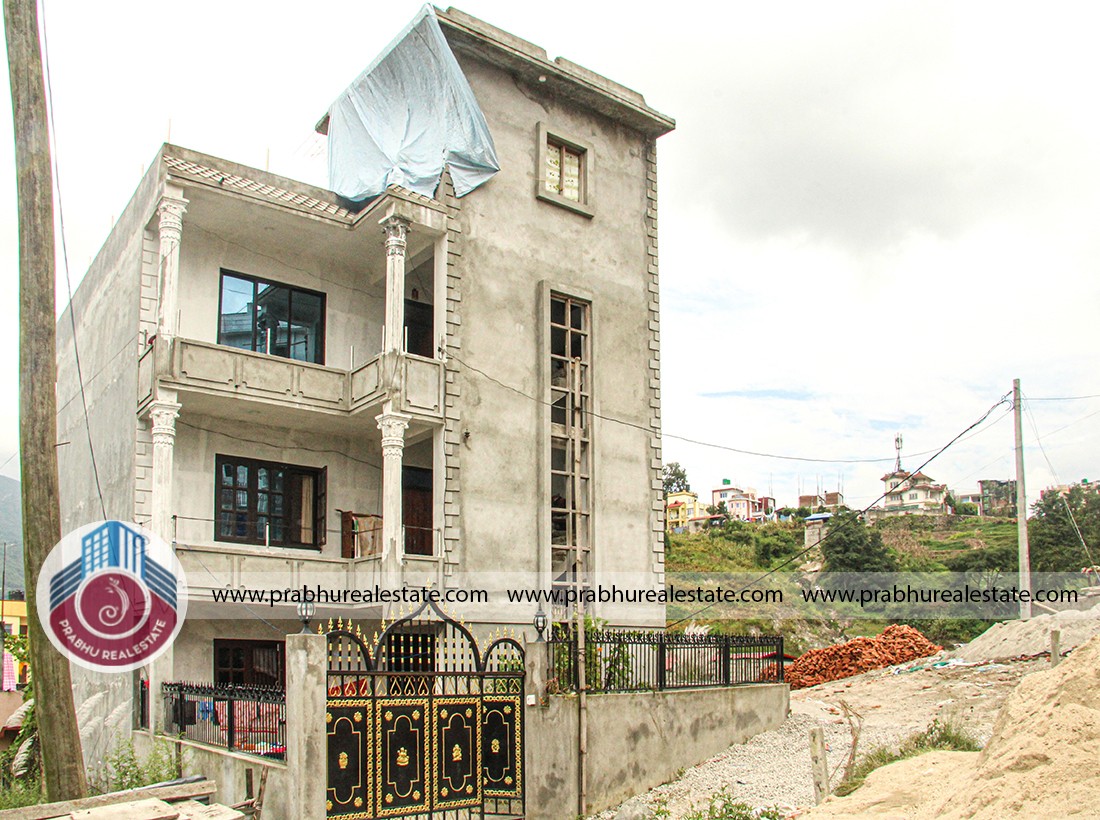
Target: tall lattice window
570 450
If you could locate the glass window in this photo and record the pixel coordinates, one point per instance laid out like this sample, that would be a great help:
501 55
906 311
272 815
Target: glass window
267 317
276 504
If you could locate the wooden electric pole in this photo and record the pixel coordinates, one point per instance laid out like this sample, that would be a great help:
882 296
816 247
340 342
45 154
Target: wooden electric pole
59 737
1021 503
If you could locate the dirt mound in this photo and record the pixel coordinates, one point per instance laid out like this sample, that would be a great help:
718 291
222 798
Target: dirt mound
896 644
1040 761
1012 639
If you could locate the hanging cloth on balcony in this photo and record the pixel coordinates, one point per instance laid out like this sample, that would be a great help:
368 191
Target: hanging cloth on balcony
405 118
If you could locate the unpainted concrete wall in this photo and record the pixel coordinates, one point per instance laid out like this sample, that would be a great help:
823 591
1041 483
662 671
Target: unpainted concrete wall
228 770
637 740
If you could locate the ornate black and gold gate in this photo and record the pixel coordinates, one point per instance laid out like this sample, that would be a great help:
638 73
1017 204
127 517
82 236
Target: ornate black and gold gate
421 723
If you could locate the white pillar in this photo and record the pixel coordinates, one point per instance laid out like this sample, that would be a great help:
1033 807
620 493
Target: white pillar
163 413
171 209
393 426
396 229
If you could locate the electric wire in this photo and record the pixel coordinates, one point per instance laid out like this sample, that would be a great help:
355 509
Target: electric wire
1053 472
65 258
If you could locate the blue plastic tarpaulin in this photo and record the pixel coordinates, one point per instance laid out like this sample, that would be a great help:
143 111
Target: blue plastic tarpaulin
407 117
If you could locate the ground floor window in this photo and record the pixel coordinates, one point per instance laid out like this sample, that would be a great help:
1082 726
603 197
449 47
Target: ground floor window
249 663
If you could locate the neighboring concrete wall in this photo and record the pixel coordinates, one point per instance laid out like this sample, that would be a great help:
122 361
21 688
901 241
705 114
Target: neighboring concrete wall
637 740
228 770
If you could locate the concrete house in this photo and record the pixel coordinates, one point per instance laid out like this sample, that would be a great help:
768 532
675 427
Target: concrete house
297 388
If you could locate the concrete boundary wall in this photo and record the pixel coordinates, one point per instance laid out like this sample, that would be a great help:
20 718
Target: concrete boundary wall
637 740
227 769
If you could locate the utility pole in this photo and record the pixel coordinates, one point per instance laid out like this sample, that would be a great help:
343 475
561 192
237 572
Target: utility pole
62 761
1021 503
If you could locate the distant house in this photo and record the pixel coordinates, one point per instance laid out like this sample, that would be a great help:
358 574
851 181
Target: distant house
680 508
913 494
744 504
812 501
998 497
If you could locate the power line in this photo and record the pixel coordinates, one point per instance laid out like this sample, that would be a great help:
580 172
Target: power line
1065 398
651 431
1053 472
65 257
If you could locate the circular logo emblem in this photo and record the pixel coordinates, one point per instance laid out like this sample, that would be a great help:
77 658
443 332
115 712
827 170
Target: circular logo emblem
111 596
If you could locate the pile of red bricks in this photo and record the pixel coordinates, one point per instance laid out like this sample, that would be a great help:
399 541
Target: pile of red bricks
897 644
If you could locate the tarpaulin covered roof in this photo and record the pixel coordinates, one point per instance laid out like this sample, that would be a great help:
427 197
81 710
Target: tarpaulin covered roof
407 117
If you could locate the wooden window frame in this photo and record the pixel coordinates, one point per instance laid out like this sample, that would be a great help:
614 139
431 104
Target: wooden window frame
250 666
548 140
255 536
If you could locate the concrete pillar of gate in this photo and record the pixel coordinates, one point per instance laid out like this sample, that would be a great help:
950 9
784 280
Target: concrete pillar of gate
306 728
537 662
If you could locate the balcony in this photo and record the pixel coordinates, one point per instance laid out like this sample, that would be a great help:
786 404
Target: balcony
205 374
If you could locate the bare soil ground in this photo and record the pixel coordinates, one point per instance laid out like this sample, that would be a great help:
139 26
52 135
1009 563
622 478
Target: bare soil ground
773 769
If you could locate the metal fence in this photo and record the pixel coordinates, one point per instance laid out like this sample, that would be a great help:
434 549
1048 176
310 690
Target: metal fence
248 719
639 661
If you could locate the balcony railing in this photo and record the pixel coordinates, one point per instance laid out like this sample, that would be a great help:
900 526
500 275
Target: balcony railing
219 370
249 719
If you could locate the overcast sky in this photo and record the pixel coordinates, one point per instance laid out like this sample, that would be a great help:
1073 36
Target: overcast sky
873 215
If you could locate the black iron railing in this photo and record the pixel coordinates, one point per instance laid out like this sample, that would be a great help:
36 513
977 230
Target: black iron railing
639 661
248 719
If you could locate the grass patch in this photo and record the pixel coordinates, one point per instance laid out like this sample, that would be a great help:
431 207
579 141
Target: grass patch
723 806
20 793
940 736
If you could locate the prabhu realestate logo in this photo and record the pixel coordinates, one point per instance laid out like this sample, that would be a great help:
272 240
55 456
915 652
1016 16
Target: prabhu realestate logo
112 596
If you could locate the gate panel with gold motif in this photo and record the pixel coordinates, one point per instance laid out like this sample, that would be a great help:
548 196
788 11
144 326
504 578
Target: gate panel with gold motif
422 724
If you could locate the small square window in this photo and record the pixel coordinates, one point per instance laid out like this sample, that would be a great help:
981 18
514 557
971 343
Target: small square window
564 172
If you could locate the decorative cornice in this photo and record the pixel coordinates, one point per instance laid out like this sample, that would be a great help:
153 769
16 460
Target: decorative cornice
393 426
396 229
164 415
171 210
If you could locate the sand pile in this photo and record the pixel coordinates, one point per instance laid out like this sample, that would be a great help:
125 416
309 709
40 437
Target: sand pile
896 644
1011 639
1040 762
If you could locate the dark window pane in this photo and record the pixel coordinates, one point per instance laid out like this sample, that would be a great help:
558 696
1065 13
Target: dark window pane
557 311
261 478
576 349
227 475
306 321
261 503
557 341
242 476
226 500
576 317
558 455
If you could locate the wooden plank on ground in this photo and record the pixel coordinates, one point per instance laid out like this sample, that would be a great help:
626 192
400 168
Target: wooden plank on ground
48 811
152 809
191 810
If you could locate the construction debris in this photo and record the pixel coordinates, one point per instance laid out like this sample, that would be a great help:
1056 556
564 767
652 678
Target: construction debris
1030 638
896 644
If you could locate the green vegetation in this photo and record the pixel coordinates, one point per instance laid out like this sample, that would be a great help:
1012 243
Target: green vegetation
675 478
1055 543
20 793
850 546
123 769
939 736
723 806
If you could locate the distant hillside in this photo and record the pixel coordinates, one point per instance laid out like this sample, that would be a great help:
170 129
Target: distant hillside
11 529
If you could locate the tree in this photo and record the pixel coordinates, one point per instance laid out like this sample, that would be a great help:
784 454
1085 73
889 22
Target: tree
675 478
1055 544
851 546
